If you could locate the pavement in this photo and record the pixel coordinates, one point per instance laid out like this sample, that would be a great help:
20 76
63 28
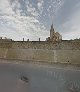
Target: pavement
42 77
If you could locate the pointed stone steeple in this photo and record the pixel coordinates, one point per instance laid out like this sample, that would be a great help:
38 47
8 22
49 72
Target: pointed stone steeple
52 27
52 32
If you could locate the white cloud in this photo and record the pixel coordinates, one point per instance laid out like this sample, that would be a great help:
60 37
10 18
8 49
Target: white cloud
5 7
54 6
25 26
32 10
16 27
40 5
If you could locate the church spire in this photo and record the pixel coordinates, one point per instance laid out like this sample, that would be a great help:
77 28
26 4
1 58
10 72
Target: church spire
52 32
52 26
52 29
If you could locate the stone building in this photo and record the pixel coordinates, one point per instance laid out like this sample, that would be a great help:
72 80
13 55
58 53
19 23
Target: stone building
5 39
54 36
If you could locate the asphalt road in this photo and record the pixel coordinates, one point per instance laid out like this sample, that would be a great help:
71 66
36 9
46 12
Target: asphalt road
41 78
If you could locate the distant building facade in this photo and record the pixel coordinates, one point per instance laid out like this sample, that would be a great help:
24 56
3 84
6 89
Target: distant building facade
5 39
54 36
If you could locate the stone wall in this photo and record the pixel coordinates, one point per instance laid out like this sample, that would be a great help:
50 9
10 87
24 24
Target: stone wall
30 54
65 51
6 44
63 56
3 52
63 45
68 56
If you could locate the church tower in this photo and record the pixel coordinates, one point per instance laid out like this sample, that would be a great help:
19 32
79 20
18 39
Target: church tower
52 32
54 36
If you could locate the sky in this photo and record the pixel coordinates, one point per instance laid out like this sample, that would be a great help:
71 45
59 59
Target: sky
31 19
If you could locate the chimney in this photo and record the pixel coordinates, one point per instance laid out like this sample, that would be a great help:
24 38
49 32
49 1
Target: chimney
39 39
23 39
27 39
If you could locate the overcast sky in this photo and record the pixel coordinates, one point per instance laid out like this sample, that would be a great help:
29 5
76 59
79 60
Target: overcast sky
32 18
